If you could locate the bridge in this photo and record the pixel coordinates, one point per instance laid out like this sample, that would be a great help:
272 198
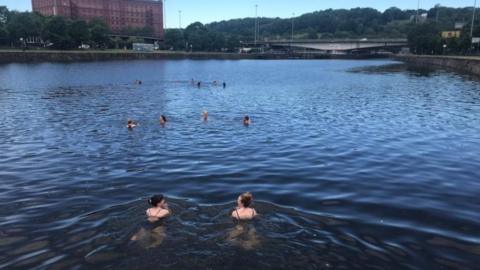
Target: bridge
331 45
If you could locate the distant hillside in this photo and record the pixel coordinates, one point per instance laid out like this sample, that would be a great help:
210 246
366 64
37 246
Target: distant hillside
341 23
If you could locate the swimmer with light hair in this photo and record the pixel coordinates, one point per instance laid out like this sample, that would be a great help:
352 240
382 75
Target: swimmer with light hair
205 116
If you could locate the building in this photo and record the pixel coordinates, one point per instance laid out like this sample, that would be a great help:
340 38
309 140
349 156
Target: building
451 34
118 14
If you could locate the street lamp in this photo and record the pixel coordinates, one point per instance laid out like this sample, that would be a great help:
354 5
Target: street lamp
293 21
473 18
164 15
180 19
256 24
418 9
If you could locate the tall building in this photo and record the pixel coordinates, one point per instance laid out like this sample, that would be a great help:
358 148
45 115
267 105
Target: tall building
118 14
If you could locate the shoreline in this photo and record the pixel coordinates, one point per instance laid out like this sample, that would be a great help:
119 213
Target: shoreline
462 64
40 56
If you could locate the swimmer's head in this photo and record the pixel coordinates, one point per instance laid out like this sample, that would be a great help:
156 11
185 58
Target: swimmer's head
246 118
156 200
245 200
163 119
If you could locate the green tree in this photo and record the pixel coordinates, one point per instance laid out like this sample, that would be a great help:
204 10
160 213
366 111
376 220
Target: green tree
232 43
99 33
425 39
23 25
174 39
3 29
312 33
79 32
3 14
196 35
56 31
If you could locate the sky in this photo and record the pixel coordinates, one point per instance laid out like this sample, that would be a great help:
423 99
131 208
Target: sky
206 11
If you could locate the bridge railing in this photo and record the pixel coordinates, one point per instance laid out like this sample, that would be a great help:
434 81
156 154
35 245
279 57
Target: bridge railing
283 41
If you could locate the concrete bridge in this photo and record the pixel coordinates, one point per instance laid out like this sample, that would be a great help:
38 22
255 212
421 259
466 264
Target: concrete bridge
332 45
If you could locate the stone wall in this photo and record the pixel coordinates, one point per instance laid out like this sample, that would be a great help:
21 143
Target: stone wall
462 64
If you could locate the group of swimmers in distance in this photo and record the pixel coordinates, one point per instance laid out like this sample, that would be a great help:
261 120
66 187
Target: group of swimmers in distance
199 83
159 208
131 124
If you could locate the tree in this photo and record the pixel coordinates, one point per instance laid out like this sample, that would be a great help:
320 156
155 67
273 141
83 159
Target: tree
56 31
425 39
79 32
232 43
98 32
3 29
23 25
3 14
312 33
196 34
174 39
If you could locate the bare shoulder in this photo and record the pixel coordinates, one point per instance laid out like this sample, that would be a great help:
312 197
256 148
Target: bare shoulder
164 213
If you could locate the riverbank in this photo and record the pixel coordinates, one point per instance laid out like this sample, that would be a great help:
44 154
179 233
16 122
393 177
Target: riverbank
36 56
464 64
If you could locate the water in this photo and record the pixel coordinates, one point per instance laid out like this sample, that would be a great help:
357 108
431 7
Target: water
351 167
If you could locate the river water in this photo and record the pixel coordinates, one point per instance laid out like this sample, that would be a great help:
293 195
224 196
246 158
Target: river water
353 165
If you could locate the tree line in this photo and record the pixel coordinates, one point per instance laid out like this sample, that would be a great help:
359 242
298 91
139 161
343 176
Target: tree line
424 34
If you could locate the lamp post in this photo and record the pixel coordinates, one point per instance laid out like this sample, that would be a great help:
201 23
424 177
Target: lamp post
473 18
418 9
256 24
164 15
180 19
293 24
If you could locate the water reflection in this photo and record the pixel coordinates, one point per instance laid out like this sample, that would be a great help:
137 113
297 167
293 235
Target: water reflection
245 236
150 238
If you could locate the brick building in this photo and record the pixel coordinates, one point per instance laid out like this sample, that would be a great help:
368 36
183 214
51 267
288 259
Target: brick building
118 14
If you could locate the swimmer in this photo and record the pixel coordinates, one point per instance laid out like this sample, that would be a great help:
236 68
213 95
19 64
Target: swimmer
215 83
224 85
205 116
244 211
199 84
131 124
159 209
163 120
246 120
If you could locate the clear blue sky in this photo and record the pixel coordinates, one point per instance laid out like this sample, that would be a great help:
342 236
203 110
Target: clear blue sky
215 10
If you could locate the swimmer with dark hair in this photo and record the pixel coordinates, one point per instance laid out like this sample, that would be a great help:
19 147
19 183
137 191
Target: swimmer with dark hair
131 124
159 208
244 209
224 85
163 120
246 120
